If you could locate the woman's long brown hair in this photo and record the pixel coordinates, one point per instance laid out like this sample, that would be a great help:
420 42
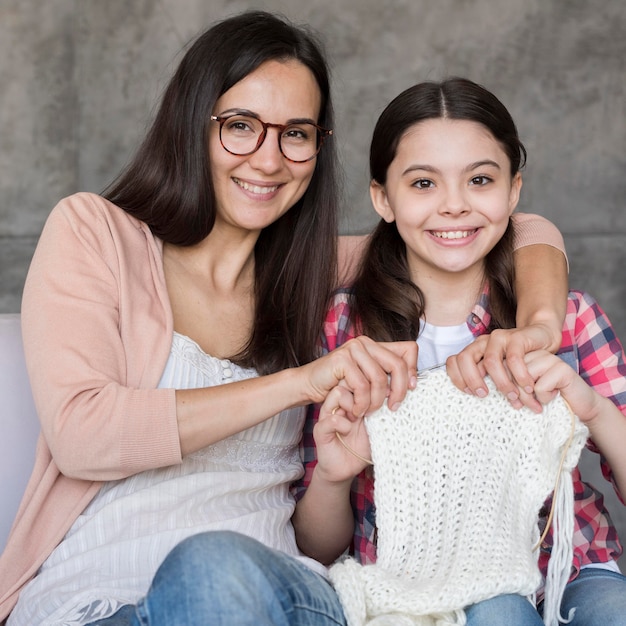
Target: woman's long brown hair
168 184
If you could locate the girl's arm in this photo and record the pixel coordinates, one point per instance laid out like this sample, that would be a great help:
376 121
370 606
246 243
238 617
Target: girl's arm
606 423
541 287
323 519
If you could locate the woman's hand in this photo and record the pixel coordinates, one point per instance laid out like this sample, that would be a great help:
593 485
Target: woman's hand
372 371
501 355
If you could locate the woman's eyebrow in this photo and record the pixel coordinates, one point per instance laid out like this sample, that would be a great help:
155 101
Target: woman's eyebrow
247 112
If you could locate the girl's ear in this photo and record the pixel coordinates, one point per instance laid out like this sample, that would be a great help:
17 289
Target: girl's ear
516 186
381 201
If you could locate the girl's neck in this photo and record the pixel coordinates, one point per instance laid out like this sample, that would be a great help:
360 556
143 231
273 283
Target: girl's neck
450 297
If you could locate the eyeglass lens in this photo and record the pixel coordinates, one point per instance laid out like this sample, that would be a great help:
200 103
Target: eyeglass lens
240 135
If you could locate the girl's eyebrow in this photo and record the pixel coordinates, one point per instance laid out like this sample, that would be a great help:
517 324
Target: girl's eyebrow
419 167
429 168
478 164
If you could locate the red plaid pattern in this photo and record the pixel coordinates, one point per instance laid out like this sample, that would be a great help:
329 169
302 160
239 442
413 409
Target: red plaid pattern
589 346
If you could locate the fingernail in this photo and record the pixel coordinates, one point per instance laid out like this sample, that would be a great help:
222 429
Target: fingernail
396 406
481 393
512 396
413 382
467 390
528 389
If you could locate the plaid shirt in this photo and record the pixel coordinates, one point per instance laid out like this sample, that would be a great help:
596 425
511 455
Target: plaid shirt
589 346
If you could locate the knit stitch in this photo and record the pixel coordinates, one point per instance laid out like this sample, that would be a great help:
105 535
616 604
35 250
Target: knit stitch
453 472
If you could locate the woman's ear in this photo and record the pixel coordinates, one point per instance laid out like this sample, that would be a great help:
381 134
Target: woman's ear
516 186
380 201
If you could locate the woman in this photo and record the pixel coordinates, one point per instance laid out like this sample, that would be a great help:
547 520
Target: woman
170 332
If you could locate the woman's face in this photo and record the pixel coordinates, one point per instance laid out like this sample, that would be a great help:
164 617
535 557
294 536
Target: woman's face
255 190
449 190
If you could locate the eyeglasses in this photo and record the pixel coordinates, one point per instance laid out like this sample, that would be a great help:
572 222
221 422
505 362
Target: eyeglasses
243 134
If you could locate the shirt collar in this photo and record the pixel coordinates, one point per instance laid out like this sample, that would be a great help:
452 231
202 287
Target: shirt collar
480 317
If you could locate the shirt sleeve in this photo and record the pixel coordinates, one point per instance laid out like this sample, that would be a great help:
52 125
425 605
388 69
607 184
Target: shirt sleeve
601 360
99 419
531 229
337 331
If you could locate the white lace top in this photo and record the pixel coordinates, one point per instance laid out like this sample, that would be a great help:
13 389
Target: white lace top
112 551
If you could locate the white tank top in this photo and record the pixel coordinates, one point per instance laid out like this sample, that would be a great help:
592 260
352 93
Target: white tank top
112 551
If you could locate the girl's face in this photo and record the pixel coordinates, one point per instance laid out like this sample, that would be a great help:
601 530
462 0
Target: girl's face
255 190
449 190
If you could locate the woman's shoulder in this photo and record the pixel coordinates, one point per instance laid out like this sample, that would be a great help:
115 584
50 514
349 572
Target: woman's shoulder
86 207
93 221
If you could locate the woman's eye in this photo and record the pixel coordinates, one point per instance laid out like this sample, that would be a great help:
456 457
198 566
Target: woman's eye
238 126
294 134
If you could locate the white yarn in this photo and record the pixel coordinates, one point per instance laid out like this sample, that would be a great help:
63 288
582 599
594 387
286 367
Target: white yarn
459 482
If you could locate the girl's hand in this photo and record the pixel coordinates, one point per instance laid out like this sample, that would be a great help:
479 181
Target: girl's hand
372 371
335 463
552 375
501 355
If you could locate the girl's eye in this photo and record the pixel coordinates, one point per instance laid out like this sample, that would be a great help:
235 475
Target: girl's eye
423 183
480 180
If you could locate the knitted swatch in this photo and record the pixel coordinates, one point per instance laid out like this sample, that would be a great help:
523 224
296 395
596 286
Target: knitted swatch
459 482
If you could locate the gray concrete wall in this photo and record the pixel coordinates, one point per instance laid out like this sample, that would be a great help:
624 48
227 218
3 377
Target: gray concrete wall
79 80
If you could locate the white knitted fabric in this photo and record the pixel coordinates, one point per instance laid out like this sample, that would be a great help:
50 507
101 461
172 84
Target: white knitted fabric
459 482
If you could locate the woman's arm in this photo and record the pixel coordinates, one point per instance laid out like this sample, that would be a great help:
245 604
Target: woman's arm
97 337
541 287
370 372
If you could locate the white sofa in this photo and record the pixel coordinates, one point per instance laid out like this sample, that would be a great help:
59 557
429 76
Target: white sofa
20 426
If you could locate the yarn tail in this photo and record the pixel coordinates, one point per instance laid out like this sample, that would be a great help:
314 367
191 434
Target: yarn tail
560 563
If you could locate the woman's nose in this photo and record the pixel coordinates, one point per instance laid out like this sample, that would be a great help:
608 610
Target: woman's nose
268 158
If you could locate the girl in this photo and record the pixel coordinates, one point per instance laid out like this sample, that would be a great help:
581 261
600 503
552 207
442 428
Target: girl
445 164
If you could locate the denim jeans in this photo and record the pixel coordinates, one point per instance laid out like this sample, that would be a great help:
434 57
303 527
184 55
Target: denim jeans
225 578
598 595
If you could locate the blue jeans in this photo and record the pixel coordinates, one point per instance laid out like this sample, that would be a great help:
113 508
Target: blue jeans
598 595
225 578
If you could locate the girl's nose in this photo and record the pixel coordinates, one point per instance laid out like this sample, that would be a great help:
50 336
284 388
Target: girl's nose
455 203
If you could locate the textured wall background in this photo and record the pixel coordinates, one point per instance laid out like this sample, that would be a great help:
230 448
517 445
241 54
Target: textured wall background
80 79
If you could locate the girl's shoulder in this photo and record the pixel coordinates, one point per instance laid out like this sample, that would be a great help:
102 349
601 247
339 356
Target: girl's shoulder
339 325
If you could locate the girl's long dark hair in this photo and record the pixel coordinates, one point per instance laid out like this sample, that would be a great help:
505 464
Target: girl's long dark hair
386 302
168 184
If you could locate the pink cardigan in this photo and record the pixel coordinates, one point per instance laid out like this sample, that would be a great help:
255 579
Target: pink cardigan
101 414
